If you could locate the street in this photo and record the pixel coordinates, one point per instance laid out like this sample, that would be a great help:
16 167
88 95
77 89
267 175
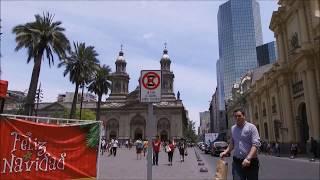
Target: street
125 166
272 167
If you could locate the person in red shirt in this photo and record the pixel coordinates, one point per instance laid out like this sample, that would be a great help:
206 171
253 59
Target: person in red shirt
170 152
156 149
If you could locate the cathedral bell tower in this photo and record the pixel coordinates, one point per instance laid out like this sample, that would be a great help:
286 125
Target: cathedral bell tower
120 80
167 93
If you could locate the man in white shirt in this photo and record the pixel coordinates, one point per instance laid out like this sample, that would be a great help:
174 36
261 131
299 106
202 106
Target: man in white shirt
114 145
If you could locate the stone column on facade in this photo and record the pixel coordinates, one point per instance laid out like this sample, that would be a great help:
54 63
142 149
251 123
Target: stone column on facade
280 48
280 111
269 115
260 120
307 100
303 25
285 44
313 102
288 113
127 126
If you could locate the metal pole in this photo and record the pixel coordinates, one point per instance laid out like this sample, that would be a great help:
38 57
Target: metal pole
99 149
149 134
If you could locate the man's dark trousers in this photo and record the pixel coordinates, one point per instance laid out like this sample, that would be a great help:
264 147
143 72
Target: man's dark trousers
155 158
245 173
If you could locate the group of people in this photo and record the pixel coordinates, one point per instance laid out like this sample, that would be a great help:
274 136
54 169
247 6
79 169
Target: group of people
271 148
168 147
110 147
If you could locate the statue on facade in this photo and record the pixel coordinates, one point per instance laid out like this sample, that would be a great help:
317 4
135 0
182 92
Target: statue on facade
178 95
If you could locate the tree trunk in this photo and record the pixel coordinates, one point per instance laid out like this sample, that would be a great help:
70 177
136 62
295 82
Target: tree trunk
98 107
81 101
29 105
74 102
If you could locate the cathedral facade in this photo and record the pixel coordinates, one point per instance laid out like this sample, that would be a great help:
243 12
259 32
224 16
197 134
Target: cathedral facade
125 117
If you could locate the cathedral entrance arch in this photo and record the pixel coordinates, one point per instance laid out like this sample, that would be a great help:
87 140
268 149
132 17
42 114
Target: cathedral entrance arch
164 135
163 128
112 129
303 126
137 127
113 135
138 133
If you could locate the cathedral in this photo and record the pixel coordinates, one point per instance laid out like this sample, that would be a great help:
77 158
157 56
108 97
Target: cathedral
125 117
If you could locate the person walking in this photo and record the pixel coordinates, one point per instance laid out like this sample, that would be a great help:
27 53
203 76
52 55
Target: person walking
245 141
114 147
182 148
170 149
314 148
277 149
294 150
139 147
145 146
103 146
156 144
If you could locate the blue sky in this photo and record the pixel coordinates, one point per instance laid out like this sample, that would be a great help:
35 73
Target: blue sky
188 27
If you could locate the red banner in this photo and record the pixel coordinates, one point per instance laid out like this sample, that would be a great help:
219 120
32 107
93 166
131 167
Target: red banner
30 150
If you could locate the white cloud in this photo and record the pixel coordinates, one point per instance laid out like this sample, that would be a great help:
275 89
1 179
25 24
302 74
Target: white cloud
148 35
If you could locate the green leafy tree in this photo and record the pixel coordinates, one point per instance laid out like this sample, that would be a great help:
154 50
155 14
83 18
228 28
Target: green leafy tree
81 65
100 85
43 36
87 114
190 132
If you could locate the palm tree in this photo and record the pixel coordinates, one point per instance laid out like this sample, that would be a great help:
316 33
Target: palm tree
100 85
43 36
81 65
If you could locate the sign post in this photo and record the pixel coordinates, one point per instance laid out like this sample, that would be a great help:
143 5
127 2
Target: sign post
150 92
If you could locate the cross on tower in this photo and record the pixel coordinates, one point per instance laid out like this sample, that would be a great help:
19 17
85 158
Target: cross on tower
121 46
165 45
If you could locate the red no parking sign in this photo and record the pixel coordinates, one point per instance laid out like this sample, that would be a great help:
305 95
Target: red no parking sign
150 86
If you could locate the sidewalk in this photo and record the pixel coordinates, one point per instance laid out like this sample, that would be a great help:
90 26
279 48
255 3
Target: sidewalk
300 158
126 166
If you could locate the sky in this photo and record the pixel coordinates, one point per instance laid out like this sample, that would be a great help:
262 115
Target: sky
188 27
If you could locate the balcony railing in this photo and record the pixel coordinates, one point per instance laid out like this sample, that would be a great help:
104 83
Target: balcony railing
297 87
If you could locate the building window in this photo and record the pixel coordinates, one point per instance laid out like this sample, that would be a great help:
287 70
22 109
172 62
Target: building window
274 105
258 128
266 134
256 114
264 111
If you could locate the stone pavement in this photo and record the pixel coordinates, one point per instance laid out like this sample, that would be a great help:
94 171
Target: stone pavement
125 166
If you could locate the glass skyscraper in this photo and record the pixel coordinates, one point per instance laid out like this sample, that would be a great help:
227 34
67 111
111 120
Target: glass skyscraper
266 53
239 30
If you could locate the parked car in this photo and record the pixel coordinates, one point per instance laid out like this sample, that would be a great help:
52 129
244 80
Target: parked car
218 147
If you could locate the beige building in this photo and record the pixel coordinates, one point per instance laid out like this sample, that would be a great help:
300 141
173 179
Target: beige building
125 117
283 100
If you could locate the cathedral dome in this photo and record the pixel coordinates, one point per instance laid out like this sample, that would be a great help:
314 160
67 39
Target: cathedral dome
165 55
120 57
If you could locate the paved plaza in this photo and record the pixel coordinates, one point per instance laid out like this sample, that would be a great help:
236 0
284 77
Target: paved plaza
126 166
